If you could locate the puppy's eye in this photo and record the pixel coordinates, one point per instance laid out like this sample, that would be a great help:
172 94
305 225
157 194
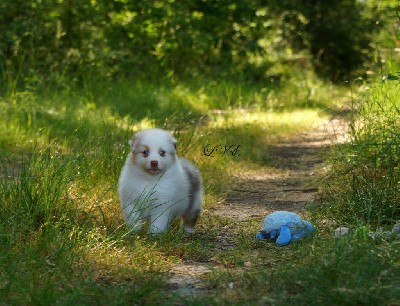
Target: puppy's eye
145 153
162 153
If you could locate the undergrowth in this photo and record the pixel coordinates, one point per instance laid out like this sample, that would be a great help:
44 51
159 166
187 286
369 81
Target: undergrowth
363 186
62 237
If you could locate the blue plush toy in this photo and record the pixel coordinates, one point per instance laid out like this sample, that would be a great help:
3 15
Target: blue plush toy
284 227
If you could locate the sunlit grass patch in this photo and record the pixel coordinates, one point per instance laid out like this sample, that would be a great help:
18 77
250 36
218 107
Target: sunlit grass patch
123 256
255 131
273 122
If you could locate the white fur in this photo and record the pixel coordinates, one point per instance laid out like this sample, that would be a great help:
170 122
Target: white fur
158 193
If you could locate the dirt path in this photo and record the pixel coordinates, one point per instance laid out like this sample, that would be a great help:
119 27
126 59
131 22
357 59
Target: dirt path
298 161
290 186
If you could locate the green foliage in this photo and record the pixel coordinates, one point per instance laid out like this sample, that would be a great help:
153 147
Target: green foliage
338 51
56 42
49 39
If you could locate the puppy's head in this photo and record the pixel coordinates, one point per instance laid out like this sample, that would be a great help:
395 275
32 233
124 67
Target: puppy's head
153 150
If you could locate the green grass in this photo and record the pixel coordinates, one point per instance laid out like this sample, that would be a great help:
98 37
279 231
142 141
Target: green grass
349 271
62 239
363 186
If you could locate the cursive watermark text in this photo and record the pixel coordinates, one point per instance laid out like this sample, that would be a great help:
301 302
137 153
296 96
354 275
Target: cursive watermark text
212 150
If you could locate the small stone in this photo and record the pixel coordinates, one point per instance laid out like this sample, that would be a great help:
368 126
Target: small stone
396 229
341 231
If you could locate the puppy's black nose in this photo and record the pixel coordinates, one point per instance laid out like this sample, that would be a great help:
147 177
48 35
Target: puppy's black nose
154 164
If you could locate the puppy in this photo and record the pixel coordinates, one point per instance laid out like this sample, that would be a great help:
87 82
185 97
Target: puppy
157 185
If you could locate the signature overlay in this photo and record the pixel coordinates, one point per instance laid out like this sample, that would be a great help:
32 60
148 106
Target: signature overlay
210 150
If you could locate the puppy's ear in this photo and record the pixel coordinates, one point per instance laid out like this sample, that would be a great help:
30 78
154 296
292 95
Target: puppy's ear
134 143
174 142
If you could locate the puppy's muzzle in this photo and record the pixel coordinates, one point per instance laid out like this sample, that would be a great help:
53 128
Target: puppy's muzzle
154 167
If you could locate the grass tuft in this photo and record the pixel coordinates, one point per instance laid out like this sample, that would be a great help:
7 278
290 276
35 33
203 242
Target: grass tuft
363 185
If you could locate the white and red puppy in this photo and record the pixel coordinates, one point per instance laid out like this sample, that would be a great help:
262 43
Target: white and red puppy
157 185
